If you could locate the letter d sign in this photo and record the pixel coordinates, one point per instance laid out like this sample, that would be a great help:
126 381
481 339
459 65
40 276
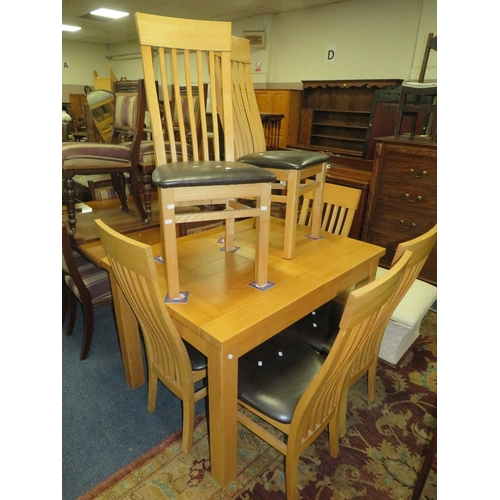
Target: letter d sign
331 51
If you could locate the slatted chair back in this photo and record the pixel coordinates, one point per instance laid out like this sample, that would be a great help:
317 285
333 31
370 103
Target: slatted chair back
249 132
323 403
186 52
290 167
185 58
366 309
420 249
339 208
133 267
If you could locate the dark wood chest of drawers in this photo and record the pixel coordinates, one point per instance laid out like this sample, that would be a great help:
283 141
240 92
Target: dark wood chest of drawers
402 203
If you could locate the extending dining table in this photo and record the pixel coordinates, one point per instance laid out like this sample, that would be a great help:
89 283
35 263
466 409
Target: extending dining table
224 317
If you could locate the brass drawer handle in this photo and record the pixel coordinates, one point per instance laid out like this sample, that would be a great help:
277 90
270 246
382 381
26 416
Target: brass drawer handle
424 172
411 226
418 198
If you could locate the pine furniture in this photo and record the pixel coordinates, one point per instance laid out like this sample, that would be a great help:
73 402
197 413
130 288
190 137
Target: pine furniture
224 317
286 384
188 53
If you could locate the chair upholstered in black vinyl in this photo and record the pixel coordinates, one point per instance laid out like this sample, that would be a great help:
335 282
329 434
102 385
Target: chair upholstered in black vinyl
291 167
299 391
211 177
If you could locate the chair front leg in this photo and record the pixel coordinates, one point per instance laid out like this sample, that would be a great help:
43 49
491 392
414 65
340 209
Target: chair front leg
119 188
146 189
136 193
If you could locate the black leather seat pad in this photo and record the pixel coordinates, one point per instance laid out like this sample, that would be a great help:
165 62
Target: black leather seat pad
208 173
198 360
285 160
275 388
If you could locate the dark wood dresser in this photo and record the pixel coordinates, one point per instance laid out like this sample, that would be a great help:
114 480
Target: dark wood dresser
402 203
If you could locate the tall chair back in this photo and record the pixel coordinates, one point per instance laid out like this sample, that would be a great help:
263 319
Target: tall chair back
249 132
187 52
323 402
186 61
290 167
420 249
168 359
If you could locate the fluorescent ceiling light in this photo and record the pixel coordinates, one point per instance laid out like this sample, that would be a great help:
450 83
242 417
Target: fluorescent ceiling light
114 14
65 27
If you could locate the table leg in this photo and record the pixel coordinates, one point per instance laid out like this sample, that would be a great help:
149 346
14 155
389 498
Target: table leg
223 405
128 334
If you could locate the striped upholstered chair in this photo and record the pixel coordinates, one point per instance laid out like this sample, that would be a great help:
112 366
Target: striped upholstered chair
118 151
82 282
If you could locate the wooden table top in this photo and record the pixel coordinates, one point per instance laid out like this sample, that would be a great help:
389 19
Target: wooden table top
223 308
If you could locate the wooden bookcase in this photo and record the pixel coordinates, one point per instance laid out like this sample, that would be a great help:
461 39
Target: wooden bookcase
336 114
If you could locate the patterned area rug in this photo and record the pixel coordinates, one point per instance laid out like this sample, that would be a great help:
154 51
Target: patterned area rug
380 456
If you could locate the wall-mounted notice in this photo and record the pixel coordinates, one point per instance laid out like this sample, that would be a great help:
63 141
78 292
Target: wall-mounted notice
331 52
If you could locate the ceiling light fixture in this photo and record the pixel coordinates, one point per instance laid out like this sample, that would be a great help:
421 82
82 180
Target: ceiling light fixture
66 27
113 14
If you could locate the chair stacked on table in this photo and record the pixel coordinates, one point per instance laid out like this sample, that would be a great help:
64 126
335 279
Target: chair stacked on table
290 167
186 52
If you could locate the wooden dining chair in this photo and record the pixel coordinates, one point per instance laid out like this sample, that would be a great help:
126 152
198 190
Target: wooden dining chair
291 167
339 207
185 51
319 330
119 119
419 98
82 282
299 392
176 363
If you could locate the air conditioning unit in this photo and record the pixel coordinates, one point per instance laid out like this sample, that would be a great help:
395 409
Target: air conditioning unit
257 38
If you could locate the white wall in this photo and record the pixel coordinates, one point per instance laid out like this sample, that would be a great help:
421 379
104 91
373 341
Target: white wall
373 39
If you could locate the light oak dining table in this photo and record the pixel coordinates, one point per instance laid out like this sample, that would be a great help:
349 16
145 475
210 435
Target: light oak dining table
224 317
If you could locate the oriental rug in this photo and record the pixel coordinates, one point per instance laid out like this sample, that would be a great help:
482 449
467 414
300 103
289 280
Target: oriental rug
380 455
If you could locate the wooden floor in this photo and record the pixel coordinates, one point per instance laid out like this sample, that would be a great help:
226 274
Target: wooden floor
123 222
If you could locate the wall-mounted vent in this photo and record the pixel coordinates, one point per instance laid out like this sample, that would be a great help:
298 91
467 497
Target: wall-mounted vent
257 38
